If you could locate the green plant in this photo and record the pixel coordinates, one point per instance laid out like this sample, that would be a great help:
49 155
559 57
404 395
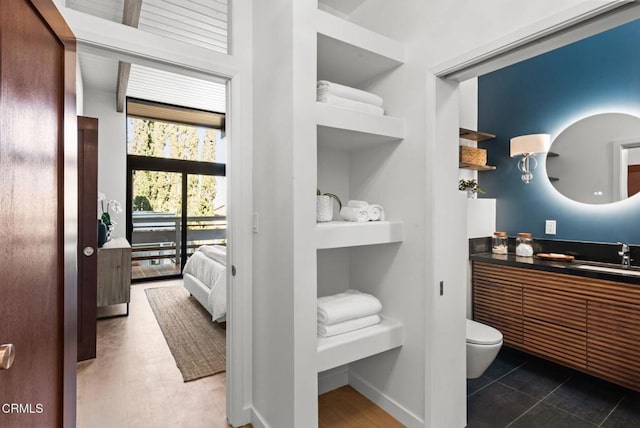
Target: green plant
471 185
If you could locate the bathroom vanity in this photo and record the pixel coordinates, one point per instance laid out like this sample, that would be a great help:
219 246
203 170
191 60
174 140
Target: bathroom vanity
585 319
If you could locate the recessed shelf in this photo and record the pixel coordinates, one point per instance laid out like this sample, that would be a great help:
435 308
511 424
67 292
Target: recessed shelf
350 54
469 134
345 348
465 165
352 130
340 234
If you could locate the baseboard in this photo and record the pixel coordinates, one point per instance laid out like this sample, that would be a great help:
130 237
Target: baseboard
403 415
333 379
257 420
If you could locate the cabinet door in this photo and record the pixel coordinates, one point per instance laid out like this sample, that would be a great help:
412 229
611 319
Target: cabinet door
555 324
497 301
554 342
612 343
555 306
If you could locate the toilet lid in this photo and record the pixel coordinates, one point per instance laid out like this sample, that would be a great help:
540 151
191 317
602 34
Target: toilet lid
482 334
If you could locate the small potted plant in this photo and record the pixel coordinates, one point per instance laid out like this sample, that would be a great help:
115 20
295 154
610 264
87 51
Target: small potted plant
471 186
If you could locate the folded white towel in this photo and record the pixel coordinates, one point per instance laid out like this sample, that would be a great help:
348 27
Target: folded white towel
325 87
354 214
348 104
215 252
347 306
376 212
347 326
357 204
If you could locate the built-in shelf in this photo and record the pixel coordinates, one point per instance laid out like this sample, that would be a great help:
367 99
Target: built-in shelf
352 130
350 54
469 134
465 165
340 234
348 347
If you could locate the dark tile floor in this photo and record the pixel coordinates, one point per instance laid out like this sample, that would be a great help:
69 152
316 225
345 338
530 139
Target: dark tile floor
522 391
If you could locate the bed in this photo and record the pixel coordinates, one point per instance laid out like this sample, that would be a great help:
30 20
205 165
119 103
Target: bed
205 277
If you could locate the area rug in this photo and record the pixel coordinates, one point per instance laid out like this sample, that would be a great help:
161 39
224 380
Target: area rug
198 345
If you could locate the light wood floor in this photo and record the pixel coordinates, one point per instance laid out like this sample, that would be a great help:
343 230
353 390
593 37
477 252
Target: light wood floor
347 408
134 382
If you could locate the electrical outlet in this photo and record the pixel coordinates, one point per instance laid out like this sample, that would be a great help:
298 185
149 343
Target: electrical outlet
550 227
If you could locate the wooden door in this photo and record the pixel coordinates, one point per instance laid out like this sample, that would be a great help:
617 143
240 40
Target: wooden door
633 179
38 214
87 235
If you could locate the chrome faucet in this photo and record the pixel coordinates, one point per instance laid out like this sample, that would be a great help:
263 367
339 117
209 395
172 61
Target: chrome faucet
624 252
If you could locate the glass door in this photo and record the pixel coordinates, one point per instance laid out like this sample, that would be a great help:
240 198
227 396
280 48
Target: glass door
156 224
206 211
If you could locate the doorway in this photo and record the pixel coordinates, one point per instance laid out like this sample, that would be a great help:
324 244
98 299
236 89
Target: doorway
176 192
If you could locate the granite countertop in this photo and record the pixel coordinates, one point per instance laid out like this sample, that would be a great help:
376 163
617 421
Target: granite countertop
556 266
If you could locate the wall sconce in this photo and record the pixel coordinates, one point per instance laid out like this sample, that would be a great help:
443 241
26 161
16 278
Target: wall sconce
527 145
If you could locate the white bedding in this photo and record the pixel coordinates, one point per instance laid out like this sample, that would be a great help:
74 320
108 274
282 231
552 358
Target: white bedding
213 275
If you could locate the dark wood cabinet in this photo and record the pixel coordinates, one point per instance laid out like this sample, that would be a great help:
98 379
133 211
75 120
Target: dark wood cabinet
589 324
497 301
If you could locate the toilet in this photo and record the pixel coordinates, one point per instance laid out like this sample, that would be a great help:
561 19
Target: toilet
483 344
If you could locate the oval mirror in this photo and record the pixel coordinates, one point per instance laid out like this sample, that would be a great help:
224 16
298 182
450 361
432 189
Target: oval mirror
596 160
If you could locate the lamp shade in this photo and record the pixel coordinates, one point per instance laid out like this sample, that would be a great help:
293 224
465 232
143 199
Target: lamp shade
533 143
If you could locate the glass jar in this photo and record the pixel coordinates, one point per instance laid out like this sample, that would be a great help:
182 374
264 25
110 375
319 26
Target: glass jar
499 243
524 245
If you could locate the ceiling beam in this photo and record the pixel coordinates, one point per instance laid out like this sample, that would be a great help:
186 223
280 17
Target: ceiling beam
124 68
131 12
131 17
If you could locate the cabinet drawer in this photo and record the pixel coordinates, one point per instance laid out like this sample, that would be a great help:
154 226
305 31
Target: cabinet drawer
555 307
564 345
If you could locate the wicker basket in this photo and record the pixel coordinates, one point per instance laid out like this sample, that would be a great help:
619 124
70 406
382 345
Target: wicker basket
473 155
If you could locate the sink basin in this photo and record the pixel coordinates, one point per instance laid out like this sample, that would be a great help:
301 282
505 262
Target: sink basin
607 269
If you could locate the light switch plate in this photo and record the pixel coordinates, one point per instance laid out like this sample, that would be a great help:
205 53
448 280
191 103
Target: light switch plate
550 227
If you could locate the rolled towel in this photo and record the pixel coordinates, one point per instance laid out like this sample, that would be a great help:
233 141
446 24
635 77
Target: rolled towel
348 104
347 306
357 204
376 212
347 326
354 214
325 87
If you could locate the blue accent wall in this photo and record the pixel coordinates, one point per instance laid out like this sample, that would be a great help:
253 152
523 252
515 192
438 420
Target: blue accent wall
545 95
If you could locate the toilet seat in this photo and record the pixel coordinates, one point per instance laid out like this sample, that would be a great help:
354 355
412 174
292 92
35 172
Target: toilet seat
482 334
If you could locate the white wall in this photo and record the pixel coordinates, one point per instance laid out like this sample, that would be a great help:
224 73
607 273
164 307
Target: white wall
284 295
79 91
112 150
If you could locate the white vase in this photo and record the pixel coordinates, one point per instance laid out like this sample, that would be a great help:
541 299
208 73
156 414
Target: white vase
472 194
324 208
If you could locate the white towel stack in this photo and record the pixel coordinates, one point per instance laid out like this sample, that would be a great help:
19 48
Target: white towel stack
359 211
348 98
345 312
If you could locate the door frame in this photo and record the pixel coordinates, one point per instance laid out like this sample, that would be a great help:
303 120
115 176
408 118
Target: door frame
111 40
444 387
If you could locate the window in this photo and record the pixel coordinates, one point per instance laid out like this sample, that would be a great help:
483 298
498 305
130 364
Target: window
176 177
